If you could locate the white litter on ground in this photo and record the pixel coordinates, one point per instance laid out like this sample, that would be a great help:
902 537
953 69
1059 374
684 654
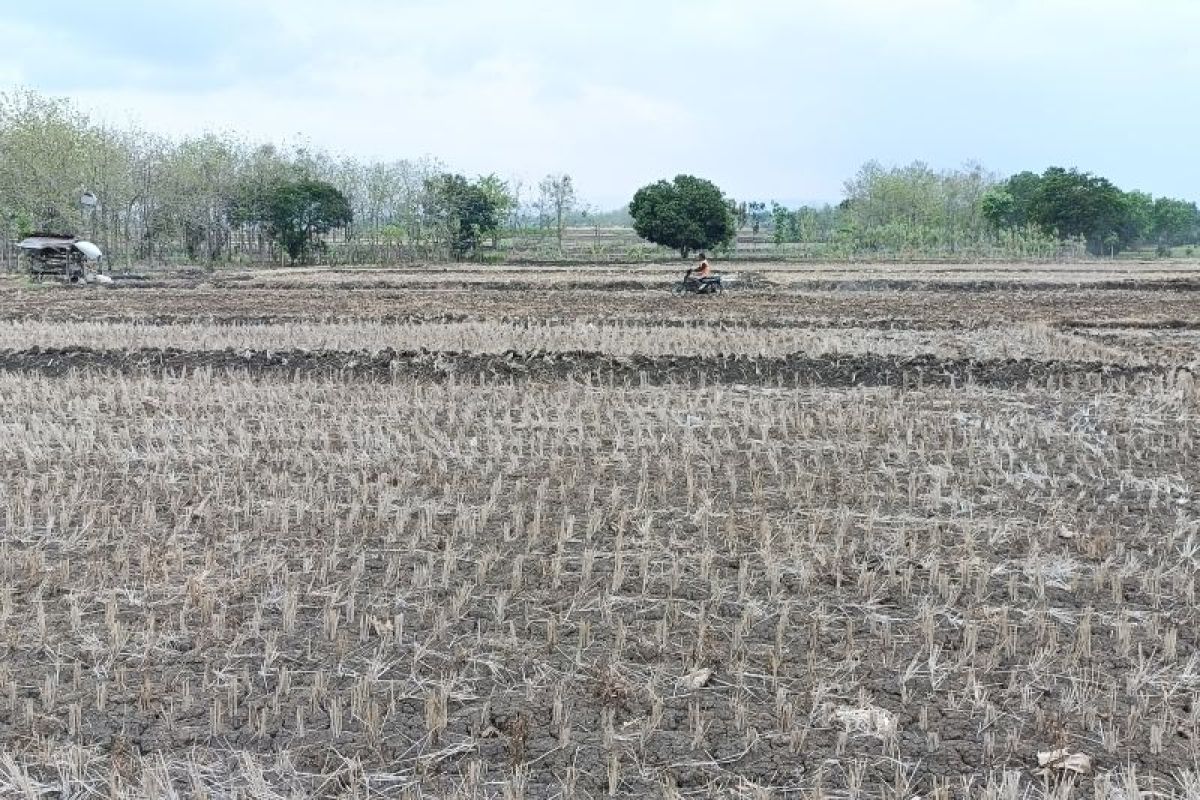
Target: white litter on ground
870 720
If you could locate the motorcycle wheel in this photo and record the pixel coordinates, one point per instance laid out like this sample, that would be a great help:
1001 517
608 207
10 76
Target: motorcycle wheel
678 289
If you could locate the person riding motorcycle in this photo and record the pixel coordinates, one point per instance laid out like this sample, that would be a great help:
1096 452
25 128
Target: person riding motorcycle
699 280
703 274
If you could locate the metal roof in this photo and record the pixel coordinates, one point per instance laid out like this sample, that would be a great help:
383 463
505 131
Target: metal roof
44 242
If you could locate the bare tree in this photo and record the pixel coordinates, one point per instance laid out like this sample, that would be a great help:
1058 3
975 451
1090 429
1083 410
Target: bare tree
556 201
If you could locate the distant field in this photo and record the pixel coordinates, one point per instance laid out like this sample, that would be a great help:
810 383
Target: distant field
846 531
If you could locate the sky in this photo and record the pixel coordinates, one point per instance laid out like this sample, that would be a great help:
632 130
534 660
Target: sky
770 99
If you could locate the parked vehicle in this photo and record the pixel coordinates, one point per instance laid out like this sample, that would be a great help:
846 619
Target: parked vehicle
68 258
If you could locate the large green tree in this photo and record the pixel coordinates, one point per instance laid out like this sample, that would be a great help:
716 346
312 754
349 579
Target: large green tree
298 212
461 211
1137 223
685 214
1075 203
503 201
1007 204
1174 222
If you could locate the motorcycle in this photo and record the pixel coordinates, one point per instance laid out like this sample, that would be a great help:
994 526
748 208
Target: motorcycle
691 285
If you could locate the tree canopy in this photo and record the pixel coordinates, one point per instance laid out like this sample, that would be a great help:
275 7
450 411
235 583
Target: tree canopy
1069 203
685 214
297 212
914 207
1174 222
463 212
1074 203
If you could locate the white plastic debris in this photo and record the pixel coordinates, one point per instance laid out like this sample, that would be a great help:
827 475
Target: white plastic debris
870 720
1066 761
697 679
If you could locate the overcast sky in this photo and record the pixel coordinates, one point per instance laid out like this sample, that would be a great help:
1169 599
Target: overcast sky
776 99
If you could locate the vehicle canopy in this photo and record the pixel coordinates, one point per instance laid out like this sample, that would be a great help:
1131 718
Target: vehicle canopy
49 243
90 251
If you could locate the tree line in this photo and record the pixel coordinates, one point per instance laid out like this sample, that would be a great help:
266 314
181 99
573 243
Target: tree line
219 198
916 211
967 212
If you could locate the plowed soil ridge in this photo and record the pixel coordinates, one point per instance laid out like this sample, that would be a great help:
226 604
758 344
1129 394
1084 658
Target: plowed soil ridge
792 370
528 321
758 284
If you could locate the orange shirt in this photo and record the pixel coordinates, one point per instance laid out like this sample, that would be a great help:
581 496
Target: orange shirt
704 270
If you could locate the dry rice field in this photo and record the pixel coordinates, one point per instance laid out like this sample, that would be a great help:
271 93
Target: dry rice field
844 532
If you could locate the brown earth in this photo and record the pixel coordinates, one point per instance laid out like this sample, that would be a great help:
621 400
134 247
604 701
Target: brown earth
913 308
413 574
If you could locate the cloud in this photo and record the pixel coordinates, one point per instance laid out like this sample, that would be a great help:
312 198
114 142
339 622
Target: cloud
497 115
777 98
